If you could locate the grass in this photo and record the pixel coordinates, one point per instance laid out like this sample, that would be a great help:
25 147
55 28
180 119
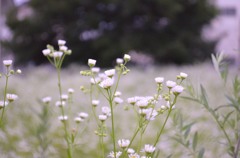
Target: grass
19 139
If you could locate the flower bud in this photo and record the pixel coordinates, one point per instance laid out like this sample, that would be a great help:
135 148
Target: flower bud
91 62
127 57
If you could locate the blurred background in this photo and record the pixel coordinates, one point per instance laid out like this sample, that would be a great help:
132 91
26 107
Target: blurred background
152 31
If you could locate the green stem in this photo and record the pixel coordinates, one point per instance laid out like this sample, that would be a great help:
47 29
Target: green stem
110 100
5 96
69 149
101 141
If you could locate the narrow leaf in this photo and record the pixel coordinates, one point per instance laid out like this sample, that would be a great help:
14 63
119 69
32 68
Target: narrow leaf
201 153
195 140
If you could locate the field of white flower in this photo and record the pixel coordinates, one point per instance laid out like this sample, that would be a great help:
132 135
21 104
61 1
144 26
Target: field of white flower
33 130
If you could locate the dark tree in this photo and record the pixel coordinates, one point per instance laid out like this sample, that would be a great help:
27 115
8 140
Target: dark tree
169 30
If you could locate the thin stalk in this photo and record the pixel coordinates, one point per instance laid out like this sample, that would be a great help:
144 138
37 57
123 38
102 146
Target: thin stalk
101 141
69 149
5 96
110 100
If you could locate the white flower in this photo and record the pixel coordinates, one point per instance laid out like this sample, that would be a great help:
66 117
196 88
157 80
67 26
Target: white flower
95 103
177 89
63 48
106 111
159 80
149 148
7 62
83 115
63 118
95 69
118 100
151 114
11 97
61 42
46 100
135 155
117 94
127 57
64 97
143 103
95 80
2 104
106 83
123 143
171 84
78 119
130 151
119 61
70 90
91 62
183 75
102 117
46 52
57 54
19 71
132 100
112 155
60 103
110 72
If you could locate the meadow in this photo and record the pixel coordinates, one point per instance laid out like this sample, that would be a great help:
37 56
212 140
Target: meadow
33 130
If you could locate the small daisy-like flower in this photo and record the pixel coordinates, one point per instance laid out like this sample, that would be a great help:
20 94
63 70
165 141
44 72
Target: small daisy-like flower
95 69
116 155
91 62
64 97
132 100
119 61
60 103
95 103
135 155
78 119
110 73
106 111
177 90
143 103
2 104
70 90
171 84
130 151
148 149
46 52
63 48
61 42
118 100
63 118
11 97
7 63
183 75
123 143
106 83
127 57
159 80
46 100
117 94
151 114
102 117
83 115
57 54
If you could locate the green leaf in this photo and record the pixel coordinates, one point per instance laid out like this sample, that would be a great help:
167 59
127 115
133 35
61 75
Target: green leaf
216 64
204 97
195 140
201 153
226 117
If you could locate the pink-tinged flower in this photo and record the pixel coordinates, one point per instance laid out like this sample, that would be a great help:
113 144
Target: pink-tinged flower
106 83
57 54
63 118
46 100
123 143
115 155
110 73
95 69
119 61
148 149
7 63
61 42
78 119
118 100
102 117
83 115
95 103
46 52
106 111
143 103
11 97
183 75
177 90
159 80
171 84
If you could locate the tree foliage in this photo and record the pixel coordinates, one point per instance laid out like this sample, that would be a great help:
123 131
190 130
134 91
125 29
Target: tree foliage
169 30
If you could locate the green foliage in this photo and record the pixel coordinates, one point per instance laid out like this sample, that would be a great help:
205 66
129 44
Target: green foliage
169 30
226 119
